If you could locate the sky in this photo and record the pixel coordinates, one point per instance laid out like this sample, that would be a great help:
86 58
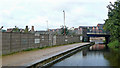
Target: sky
37 12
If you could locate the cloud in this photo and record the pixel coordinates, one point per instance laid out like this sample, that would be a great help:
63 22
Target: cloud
35 12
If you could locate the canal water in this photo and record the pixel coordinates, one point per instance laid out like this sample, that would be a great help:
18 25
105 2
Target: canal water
96 55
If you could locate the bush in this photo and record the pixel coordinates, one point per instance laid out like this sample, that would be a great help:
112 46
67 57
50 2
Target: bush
115 45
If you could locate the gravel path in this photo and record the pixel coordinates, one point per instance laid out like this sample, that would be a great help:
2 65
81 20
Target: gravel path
23 58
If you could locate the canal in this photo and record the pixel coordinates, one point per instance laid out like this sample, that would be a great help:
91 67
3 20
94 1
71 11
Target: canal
96 55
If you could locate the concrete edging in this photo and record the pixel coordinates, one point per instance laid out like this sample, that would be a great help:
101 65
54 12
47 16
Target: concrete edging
63 52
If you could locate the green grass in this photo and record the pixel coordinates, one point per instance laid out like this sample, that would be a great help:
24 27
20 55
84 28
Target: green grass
33 49
115 45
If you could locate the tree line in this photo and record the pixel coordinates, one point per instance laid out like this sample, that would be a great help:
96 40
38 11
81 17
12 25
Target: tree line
112 24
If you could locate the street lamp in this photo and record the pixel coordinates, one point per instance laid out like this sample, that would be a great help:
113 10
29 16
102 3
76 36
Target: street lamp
47 24
64 20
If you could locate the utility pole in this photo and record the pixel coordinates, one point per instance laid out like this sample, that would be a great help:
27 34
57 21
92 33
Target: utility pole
64 20
47 24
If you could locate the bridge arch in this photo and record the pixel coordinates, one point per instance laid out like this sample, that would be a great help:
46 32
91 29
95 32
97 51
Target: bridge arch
107 36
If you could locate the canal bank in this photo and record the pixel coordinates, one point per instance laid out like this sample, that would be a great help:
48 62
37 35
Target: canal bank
47 62
96 56
25 59
113 56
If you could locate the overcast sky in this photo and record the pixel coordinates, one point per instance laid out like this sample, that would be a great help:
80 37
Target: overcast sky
36 12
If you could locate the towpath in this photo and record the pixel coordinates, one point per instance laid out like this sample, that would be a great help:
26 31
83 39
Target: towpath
28 57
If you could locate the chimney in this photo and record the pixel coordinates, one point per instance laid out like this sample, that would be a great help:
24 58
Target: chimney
32 28
26 27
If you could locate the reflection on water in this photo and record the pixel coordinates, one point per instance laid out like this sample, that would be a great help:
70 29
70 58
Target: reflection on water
97 47
113 58
96 55
97 41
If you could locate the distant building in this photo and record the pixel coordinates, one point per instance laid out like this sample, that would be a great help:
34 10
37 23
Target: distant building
13 30
2 30
74 31
55 31
90 29
72 28
93 29
77 31
83 29
16 29
9 30
100 28
42 32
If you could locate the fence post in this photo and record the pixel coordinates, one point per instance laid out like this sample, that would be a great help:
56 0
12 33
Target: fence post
10 41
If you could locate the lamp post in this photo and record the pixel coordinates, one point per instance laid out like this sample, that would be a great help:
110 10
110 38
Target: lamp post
64 20
47 24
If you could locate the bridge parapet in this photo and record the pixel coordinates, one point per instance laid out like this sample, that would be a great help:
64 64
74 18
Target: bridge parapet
97 33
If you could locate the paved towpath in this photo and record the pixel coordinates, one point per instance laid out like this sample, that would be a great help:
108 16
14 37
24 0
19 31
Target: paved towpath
23 58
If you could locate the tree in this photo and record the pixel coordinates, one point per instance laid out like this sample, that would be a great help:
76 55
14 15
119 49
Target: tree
26 29
64 30
112 24
16 29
